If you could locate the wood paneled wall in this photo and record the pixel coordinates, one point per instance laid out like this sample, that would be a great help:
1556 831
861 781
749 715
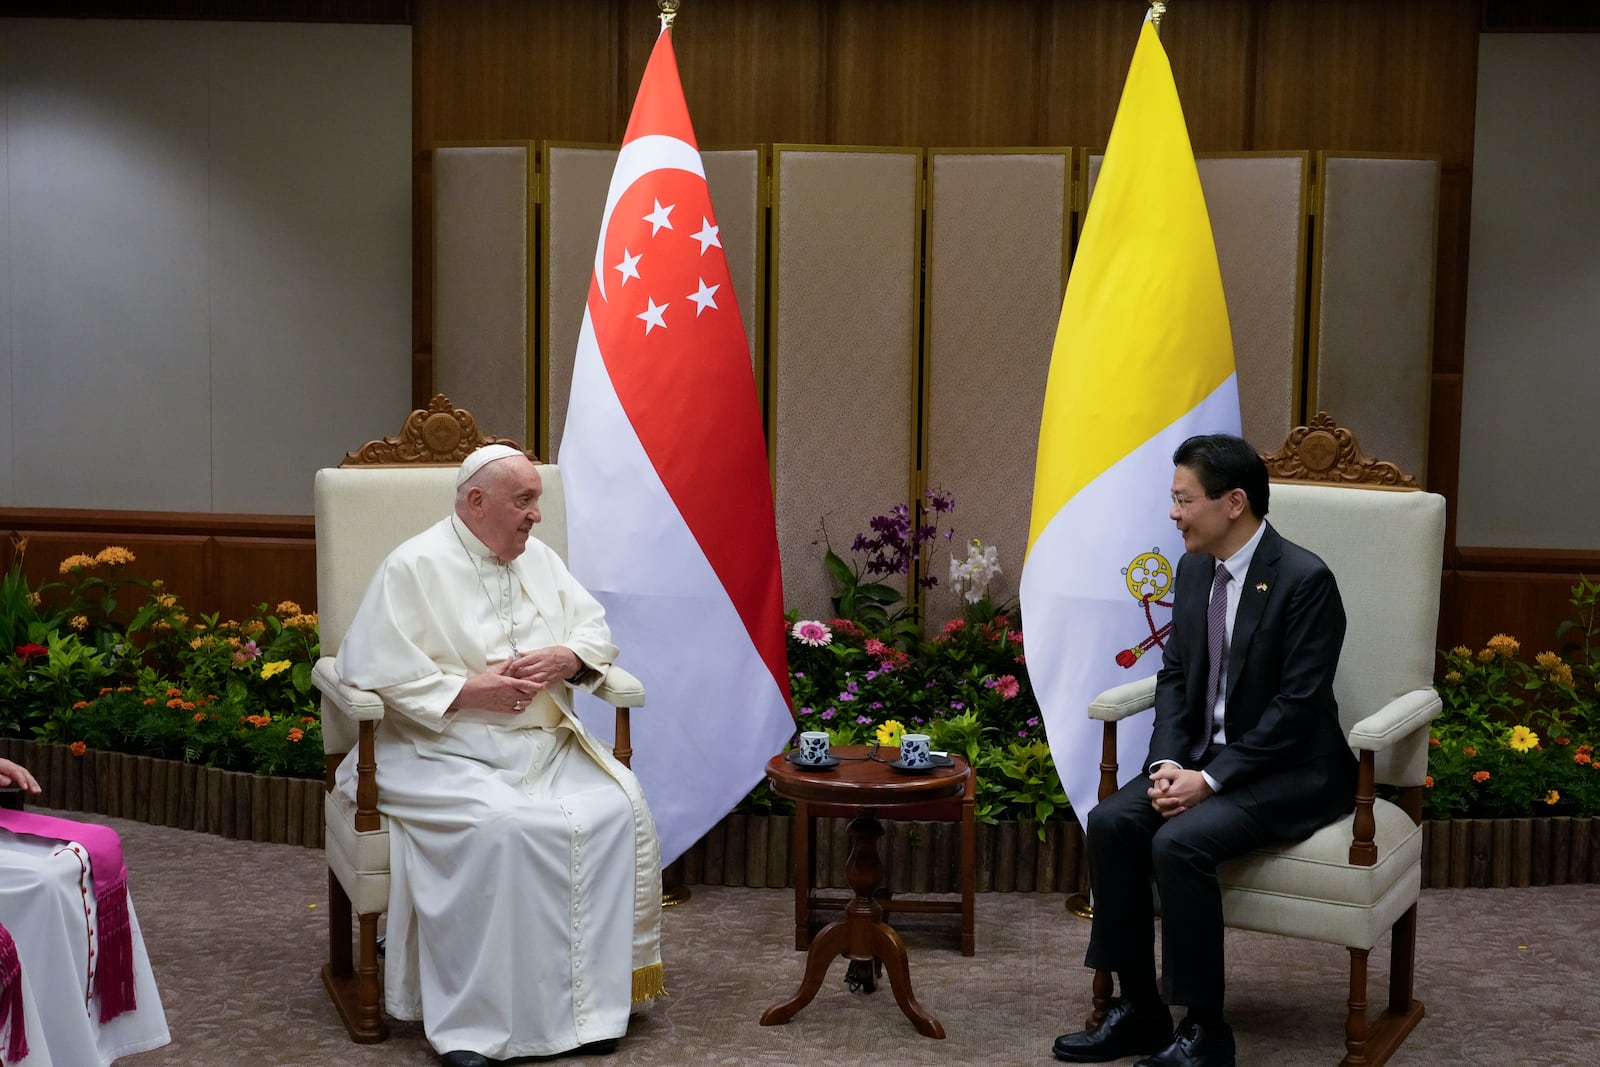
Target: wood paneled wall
1358 75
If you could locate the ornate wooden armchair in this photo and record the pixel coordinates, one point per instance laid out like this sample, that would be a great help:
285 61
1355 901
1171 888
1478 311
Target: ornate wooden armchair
1362 874
383 493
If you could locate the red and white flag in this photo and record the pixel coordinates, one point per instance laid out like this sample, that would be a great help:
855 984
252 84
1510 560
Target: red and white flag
669 503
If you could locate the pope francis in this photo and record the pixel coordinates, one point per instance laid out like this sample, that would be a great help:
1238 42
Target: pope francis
525 901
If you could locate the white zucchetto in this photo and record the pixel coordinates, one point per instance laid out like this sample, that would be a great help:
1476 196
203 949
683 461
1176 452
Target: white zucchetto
482 457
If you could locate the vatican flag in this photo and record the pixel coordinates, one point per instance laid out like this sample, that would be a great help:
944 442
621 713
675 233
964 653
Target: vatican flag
1143 359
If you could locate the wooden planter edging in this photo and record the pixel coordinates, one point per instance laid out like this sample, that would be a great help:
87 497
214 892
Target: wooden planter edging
1496 853
247 807
918 856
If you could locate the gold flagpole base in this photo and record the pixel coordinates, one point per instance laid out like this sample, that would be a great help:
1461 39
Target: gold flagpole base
1079 905
673 895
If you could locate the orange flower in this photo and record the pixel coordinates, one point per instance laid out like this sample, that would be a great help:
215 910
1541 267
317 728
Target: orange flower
1435 742
106 690
149 701
80 705
1552 797
174 692
296 734
175 702
307 718
1563 740
124 688
1428 781
1469 752
1583 757
199 716
1480 776
79 748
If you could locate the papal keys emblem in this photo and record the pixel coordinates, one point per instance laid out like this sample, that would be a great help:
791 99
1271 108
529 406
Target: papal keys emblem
1149 578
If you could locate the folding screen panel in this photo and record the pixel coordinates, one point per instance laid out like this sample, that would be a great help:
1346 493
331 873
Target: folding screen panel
1372 292
576 180
845 248
483 282
996 265
1257 203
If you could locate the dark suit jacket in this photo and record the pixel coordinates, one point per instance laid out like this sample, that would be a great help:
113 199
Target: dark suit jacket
1286 752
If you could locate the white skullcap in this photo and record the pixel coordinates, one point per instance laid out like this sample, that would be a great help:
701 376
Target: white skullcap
481 458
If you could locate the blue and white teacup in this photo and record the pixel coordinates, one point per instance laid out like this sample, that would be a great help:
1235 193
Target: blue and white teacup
813 747
914 751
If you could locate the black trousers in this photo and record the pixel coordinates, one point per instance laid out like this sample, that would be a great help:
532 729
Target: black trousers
1129 844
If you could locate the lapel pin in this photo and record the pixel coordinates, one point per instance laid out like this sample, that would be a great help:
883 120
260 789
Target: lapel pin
1261 587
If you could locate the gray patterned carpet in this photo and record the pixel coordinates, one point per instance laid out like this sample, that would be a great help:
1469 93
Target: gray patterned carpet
236 935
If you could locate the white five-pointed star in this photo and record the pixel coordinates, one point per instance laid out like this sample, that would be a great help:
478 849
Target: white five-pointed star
704 298
652 315
659 218
629 267
707 235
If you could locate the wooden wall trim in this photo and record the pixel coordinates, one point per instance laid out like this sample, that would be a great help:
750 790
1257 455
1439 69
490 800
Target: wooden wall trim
99 521
1528 560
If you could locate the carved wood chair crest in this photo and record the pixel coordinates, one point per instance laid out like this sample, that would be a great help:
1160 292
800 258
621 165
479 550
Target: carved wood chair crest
1324 451
438 434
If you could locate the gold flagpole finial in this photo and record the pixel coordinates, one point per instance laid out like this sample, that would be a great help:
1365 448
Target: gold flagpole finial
669 11
1157 9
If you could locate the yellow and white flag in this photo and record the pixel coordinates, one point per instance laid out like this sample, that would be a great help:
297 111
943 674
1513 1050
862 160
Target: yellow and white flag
1143 359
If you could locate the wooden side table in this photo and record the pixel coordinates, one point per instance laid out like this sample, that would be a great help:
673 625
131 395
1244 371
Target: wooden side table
866 784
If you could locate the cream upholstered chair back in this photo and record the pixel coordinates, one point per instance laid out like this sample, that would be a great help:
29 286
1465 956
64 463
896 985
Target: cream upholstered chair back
1385 548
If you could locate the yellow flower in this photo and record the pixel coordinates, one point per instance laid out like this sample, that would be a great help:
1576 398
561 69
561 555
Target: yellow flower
306 621
1552 797
166 600
80 622
1486 656
1523 739
288 607
1562 675
1453 676
1505 645
277 666
1547 660
1461 650
78 562
114 556
889 732
33 600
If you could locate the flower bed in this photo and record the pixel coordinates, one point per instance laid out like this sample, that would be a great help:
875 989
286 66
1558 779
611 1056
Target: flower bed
101 660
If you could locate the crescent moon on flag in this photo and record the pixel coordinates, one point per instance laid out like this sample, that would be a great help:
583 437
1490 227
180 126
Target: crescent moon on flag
639 157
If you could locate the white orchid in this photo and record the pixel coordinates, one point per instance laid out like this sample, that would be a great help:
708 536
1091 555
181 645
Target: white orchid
971 577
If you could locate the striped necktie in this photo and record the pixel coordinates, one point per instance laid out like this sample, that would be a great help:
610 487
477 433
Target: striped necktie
1217 654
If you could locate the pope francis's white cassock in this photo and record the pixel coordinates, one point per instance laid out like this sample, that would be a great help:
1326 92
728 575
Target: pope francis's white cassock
525 903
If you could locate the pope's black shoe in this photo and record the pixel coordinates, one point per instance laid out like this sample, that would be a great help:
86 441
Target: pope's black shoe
603 1047
464 1059
1195 1046
1125 1031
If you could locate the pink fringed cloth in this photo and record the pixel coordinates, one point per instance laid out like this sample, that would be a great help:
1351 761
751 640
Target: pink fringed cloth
16 1046
113 964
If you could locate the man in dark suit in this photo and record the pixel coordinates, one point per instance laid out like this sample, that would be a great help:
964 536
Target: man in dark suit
1240 757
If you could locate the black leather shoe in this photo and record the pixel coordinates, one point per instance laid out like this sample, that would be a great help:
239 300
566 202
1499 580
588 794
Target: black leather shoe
1125 1031
1195 1046
464 1059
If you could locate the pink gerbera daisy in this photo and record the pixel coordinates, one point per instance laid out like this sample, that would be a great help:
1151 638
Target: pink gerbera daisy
811 632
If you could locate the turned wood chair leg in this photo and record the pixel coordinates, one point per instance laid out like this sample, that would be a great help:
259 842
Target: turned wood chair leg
801 833
1101 1002
1355 1026
367 1016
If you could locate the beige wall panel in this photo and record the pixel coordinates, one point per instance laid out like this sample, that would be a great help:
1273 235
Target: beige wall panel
846 236
577 180
1372 319
1257 205
996 257
483 316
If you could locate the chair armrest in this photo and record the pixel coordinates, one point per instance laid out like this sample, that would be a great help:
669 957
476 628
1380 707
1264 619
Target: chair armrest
1399 719
358 704
620 689
1119 702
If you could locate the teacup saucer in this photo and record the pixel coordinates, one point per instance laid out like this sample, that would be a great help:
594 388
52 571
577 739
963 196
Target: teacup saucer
903 769
826 765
